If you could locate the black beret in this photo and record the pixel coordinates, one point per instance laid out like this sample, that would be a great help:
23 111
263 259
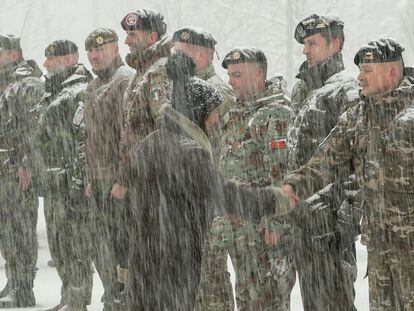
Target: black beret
244 55
144 20
379 51
314 24
100 36
9 42
60 48
196 36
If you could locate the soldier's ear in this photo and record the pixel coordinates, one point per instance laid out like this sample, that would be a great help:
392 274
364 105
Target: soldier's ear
334 45
153 37
14 55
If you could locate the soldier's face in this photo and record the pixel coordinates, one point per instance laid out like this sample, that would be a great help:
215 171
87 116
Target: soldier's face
138 40
55 64
103 56
5 58
316 49
375 78
244 79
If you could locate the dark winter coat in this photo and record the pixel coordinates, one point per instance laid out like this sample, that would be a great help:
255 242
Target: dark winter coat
174 188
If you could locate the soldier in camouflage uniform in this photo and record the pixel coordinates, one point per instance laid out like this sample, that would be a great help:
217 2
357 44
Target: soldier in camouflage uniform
376 140
215 292
20 91
318 99
149 48
254 154
60 141
103 123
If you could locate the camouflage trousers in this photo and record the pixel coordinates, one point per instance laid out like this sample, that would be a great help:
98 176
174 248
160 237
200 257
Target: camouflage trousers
110 239
18 238
69 244
326 276
391 278
264 276
215 292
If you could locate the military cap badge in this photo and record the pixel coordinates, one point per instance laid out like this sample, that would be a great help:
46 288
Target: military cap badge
52 48
235 55
99 39
320 24
301 31
185 35
131 19
368 56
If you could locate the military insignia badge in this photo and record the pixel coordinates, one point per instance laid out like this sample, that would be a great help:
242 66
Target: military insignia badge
301 31
185 35
51 48
131 19
156 94
321 24
79 115
99 39
236 55
368 56
277 144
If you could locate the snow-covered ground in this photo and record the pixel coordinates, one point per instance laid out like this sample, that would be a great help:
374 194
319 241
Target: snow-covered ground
47 284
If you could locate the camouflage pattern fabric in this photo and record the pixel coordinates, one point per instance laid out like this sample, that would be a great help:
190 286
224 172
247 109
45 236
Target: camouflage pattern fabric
254 153
61 144
375 138
103 124
148 90
20 91
323 93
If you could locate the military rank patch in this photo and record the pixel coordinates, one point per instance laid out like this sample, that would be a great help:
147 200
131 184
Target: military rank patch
156 94
79 115
277 144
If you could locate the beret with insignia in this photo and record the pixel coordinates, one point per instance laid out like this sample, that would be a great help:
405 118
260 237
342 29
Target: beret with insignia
244 55
146 20
60 48
9 42
195 36
379 51
314 24
100 36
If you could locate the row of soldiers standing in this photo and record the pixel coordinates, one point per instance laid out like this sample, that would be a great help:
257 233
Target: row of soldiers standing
255 139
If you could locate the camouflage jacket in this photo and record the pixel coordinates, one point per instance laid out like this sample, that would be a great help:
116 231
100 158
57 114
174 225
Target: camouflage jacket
103 121
323 93
60 135
215 132
254 139
21 90
376 140
149 89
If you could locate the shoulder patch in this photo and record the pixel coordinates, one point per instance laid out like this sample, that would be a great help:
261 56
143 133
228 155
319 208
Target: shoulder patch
156 93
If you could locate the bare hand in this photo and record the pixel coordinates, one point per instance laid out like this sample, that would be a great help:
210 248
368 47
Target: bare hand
212 119
290 193
118 191
88 190
24 178
271 238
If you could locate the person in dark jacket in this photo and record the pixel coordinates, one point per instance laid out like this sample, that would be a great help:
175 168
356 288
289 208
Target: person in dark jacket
174 186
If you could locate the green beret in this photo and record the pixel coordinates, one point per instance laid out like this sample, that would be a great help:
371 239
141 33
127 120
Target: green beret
60 48
144 20
195 36
314 24
100 36
9 42
379 51
244 55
